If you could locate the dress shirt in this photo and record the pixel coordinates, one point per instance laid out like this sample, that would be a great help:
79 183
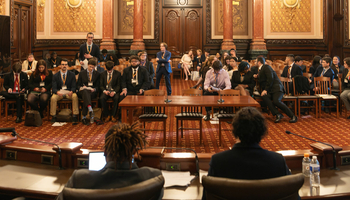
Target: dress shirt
324 71
223 80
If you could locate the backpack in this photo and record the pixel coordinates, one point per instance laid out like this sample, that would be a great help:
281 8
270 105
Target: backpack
33 118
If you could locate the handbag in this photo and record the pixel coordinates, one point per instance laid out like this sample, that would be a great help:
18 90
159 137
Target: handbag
65 115
179 65
194 75
33 118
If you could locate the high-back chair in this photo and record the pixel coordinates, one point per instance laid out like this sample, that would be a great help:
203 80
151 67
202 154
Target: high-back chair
288 97
324 87
305 97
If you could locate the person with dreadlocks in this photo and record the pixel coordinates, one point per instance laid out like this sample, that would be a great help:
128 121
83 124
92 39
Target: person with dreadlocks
122 141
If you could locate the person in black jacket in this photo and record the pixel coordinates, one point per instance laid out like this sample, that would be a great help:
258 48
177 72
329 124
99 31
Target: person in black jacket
292 69
89 50
243 79
233 53
324 71
104 56
40 85
16 84
54 61
148 66
200 59
337 69
345 95
316 63
299 61
272 91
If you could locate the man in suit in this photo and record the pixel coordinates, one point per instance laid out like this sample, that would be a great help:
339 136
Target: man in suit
149 66
88 86
247 160
292 69
163 67
324 71
299 61
110 85
16 84
122 141
104 56
54 61
64 87
272 91
89 50
135 79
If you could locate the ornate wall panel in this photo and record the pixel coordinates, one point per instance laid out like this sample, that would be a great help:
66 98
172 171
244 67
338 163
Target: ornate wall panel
40 15
74 19
2 7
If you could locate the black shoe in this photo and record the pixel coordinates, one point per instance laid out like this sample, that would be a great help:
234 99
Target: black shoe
278 118
18 120
75 120
85 122
53 120
194 87
294 119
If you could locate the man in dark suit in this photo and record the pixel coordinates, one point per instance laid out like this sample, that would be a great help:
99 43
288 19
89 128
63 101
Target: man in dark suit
110 85
54 61
299 61
64 86
247 160
104 56
272 91
292 69
149 66
16 84
89 49
324 71
163 67
88 86
118 172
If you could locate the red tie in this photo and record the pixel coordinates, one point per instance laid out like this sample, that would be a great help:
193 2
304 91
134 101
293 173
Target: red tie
16 84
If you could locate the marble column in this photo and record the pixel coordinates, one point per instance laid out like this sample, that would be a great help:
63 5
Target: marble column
258 45
138 43
227 42
108 23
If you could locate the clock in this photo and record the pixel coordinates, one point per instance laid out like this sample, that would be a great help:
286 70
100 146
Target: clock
291 3
74 3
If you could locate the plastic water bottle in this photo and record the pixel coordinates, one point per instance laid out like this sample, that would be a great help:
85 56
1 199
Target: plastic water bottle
306 165
314 173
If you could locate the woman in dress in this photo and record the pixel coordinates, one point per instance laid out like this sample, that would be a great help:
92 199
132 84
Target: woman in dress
187 63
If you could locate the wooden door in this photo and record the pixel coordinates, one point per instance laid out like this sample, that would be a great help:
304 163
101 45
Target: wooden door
172 29
192 29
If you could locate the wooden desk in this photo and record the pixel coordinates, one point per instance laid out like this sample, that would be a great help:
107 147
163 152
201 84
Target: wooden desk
132 101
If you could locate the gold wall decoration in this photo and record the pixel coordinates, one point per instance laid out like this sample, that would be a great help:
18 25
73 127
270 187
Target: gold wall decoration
240 17
2 7
74 16
296 17
126 17
40 15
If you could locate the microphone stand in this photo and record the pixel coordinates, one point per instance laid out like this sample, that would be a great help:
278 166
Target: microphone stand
220 100
166 99
14 134
334 152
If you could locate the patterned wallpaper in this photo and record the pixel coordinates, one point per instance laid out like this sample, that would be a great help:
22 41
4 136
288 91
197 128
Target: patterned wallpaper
81 19
40 15
295 19
2 7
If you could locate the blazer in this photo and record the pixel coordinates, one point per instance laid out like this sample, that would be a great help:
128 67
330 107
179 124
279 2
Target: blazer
269 81
329 73
71 82
164 61
115 82
95 51
110 177
335 70
254 69
303 68
25 66
313 68
248 80
296 70
34 82
345 86
200 61
143 79
149 67
9 81
100 69
83 80
52 63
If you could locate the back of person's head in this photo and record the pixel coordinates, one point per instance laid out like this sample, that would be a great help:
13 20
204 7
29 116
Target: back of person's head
243 66
104 51
217 65
17 67
109 65
290 57
298 58
327 55
122 141
92 61
210 60
328 60
347 61
249 126
260 59
316 61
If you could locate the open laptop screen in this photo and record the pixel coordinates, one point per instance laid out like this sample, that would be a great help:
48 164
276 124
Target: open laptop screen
97 161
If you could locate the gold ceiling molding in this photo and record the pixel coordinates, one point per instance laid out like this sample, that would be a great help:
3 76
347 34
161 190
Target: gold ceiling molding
40 15
290 6
74 7
74 3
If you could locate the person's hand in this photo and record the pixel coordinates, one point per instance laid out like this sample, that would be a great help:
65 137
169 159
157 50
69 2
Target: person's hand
87 55
43 90
84 87
210 90
264 93
23 90
59 94
141 91
169 61
255 76
36 89
111 57
9 90
124 93
93 90
157 59
335 80
106 92
245 86
310 80
198 68
70 93
112 94
81 62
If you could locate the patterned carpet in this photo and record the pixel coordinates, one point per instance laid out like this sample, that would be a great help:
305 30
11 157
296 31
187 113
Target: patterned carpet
327 129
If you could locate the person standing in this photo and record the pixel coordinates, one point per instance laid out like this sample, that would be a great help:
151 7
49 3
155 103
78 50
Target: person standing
89 50
163 67
149 67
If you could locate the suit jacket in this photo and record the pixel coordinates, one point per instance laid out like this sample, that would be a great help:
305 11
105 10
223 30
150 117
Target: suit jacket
329 73
335 70
84 80
100 69
164 61
248 80
269 81
71 82
52 63
109 177
9 81
345 86
95 51
143 80
25 66
150 69
313 68
254 69
34 82
303 68
115 82
201 60
296 70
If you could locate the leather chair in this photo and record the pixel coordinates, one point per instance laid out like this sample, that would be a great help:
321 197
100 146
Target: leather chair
284 187
146 190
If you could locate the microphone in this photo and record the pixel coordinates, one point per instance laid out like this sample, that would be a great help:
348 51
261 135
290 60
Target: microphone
334 152
11 129
220 100
196 156
14 134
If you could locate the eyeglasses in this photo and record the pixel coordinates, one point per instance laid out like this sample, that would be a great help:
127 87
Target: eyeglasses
91 37
134 61
64 64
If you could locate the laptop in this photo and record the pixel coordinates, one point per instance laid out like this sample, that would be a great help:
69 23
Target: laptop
97 161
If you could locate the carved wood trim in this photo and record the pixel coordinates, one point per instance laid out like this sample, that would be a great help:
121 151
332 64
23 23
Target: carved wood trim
64 42
292 42
346 23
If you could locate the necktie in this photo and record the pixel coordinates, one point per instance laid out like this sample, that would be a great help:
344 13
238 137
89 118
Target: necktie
134 74
89 48
16 84
288 73
64 77
323 72
216 79
90 76
109 76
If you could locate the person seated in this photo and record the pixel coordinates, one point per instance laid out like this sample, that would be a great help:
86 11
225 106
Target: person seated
324 71
233 53
148 66
40 85
247 160
316 63
122 142
199 59
206 53
292 69
225 55
101 66
337 69
110 85
113 57
216 79
233 66
299 61
54 60
345 95
104 56
186 63
202 72
16 85
29 65
226 63
135 79
88 85
243 79
47 57
64 86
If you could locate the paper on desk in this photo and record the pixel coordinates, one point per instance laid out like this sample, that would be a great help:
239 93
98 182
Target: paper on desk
64 92
176 178
59 123
201 173
86 88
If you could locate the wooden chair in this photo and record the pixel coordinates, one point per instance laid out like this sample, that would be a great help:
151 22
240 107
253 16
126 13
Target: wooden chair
288 97
151 114
12 102
174 67
226 114
189 113
324 87
1 89
305 97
